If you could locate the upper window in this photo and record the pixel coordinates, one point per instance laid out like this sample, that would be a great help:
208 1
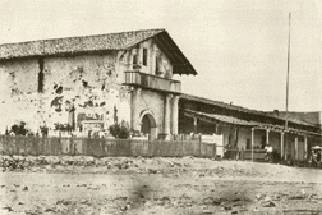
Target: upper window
145 57
158 65
135 59
40 76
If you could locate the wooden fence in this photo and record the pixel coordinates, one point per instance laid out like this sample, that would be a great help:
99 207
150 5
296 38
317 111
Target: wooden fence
246 154
54 146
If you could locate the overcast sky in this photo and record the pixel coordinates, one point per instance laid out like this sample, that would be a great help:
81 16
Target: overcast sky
239 48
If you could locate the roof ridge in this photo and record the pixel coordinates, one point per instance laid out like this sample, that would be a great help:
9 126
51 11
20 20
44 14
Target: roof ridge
89 35
96 43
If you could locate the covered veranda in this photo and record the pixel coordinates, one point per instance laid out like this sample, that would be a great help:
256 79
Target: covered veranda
246 139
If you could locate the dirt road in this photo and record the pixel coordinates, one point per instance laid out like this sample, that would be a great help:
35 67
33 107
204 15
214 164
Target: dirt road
162 186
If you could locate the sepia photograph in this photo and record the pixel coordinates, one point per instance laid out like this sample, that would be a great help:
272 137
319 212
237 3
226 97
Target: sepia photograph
165 107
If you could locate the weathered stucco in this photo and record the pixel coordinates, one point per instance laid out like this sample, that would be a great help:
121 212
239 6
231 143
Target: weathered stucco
75 88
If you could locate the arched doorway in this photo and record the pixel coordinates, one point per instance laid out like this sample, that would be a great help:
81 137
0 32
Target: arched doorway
148 125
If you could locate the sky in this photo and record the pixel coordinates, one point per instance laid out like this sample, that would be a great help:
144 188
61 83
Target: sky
238 47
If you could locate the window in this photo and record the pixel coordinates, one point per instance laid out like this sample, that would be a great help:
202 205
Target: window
40 82
40 76
145 57
158 64
135 61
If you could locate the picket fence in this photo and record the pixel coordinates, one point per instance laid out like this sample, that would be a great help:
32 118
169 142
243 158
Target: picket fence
101 147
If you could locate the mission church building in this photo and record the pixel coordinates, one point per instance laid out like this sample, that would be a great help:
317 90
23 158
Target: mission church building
86 84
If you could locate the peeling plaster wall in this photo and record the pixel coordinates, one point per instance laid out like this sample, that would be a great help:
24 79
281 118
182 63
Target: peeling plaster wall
70 74
75 86
101 98
18 93
63 84
22 76
71 70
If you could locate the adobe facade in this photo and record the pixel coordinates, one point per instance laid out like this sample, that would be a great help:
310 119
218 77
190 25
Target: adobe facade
129 81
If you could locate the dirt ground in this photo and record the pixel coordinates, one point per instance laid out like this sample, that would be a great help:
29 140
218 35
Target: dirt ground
162 186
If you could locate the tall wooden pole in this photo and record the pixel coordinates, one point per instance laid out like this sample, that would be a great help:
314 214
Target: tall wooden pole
288 71
252 144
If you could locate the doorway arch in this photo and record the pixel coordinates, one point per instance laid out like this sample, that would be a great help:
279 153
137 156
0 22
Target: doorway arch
148 125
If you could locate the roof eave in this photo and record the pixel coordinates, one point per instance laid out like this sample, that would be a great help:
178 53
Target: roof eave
179 61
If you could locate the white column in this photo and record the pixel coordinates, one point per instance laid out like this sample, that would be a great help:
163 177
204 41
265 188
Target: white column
282 145
167 110
296 148
267 133
135 93
195 125
305 147
286 139
252 144
175 114
132 107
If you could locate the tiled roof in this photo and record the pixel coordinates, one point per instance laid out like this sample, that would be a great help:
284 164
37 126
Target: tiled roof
242 109
99 43
222 118
236 121
111 41
190 97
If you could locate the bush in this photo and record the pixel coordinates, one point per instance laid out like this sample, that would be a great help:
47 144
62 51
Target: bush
118 131
115 130
124 133
19 129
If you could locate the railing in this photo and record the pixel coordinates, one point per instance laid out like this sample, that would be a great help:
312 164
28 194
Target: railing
136 78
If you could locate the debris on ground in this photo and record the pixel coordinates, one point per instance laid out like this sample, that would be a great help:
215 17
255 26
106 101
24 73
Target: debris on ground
123 185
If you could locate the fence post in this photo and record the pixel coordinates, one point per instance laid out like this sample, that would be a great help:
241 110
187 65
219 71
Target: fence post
71 146
130 147
182 148
200 145
59 144
151 144
37 146
44 142
25 146
17 143
15 146
102 145
4 144
252 144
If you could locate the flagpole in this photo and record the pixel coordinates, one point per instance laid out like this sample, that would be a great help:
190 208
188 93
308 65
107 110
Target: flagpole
288 72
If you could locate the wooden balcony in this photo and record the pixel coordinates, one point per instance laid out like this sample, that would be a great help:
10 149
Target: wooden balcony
153 82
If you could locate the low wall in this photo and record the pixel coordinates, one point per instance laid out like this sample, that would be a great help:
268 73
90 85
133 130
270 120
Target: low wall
37 146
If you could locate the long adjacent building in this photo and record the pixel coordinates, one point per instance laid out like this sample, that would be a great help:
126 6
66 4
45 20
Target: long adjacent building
242 129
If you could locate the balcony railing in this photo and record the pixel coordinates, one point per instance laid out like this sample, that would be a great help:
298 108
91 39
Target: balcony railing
136 78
